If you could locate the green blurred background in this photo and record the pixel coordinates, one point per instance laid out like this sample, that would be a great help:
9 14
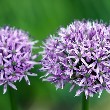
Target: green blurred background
42 18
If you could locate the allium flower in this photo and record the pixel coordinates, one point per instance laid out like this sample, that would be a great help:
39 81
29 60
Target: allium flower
15 57
79 55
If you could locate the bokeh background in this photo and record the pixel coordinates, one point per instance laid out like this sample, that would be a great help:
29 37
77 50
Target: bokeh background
42 18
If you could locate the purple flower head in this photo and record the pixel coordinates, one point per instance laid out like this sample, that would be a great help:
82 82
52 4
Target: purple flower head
15 57
79 55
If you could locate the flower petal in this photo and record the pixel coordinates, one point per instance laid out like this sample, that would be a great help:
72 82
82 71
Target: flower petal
12 85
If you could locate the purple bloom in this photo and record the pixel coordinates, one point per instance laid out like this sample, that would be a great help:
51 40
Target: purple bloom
15 57
79 55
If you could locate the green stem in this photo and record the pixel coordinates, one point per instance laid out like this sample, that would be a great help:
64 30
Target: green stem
85 102
12 97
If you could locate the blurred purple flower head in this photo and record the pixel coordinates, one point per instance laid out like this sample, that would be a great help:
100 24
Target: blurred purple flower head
15 57
79 55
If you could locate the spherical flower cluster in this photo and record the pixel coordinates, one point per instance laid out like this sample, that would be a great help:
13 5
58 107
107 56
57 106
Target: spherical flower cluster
79 55
15 57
